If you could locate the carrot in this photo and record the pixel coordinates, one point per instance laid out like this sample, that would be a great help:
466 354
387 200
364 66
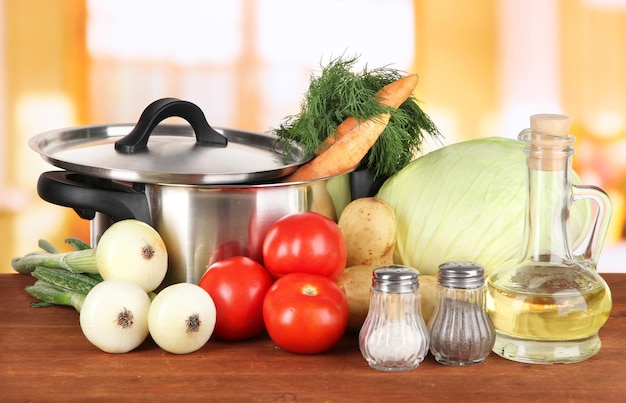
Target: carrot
393 95
346 153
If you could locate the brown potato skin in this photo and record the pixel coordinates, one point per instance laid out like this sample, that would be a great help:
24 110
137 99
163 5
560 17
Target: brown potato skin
428 294
369 227
356 282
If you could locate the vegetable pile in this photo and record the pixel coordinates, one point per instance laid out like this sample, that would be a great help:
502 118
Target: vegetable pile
112 286
236 299
294 295
462 202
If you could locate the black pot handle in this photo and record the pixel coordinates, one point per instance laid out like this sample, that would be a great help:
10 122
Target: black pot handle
87 194
157 111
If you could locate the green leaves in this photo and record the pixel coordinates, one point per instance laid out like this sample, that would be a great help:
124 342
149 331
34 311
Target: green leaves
338 93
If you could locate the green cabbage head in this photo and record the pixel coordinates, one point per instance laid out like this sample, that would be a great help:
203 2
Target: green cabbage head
466 201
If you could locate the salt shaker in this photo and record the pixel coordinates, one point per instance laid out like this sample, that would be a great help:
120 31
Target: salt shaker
394 336
460 329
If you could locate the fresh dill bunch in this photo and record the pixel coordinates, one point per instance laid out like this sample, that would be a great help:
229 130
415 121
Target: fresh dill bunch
339 92
401 140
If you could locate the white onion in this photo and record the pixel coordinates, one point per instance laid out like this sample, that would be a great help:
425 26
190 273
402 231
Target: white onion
181 318
134 251
114 316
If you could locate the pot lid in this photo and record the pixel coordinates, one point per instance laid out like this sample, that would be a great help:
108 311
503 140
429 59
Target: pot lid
149 152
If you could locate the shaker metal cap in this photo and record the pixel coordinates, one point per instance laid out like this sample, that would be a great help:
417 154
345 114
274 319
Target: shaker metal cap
461 274
395 278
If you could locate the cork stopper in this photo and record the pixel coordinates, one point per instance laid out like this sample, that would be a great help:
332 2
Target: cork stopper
550 124
549 142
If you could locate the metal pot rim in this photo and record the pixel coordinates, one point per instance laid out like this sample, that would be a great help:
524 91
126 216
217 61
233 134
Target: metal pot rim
172 155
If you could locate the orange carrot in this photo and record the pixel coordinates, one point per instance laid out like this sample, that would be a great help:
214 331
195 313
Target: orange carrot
393 95
346 153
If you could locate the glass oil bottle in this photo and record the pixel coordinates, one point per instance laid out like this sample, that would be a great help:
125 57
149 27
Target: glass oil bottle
549 307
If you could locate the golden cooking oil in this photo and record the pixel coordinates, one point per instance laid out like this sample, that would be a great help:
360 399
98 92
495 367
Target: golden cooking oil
561 308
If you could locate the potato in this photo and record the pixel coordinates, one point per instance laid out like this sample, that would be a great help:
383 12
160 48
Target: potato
428 294
369 227
356 282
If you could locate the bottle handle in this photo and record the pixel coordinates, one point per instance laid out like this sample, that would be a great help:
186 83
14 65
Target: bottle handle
592 244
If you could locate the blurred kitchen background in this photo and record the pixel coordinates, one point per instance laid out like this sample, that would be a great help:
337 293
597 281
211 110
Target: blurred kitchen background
484 66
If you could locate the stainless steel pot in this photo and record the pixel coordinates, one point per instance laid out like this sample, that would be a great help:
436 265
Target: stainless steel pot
199 224
160 175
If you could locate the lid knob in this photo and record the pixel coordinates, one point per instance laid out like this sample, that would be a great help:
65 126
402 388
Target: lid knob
157 111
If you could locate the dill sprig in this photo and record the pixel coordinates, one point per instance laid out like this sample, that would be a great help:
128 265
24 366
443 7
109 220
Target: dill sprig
339 92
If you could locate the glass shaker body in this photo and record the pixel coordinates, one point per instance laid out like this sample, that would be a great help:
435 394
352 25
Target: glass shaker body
394 336
461 332
549 306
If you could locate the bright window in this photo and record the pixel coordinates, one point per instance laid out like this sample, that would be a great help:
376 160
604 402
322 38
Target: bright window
246 63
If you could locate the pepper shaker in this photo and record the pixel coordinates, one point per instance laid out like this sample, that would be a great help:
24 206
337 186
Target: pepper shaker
394 336
460 329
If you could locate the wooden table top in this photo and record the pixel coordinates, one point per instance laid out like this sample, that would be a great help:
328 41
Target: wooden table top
45 357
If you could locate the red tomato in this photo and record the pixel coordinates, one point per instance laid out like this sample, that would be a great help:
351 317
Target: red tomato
305 243
237 286
305 313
